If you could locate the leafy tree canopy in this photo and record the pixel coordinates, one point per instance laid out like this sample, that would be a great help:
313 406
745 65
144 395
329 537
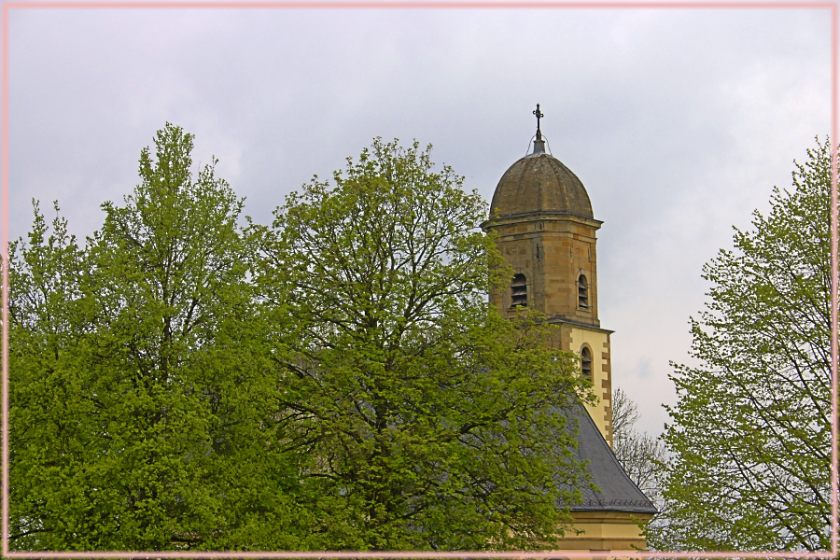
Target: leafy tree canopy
434 422
142 410
334 380
750 434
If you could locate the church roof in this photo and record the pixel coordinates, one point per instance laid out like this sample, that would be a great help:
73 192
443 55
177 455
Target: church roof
614 491
540 183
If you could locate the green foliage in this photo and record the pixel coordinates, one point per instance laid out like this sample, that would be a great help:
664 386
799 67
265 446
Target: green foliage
750 436
141 406
333 381
433 422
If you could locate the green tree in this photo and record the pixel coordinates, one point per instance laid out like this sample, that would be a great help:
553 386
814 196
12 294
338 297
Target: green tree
143 410
334 381
750 433
431 422
50 427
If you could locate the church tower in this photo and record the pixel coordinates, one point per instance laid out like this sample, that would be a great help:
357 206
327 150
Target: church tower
545 229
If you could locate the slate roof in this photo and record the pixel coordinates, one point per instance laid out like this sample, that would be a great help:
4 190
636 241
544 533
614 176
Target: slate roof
616 492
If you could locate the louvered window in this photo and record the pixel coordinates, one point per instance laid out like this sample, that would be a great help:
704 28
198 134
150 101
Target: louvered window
583 292
586 362
519 291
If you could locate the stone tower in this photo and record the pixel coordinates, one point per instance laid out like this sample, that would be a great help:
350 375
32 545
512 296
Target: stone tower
545 229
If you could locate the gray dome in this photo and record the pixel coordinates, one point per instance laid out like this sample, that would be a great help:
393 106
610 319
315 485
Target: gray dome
539 182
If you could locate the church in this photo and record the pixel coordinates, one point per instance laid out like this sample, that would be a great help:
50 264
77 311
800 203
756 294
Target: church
545 229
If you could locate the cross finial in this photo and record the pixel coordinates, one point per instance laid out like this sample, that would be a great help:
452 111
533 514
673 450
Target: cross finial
539 115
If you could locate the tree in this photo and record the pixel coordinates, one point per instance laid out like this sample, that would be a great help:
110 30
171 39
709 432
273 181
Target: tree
142 406
431 422
640 454
337 380
47 321
750 433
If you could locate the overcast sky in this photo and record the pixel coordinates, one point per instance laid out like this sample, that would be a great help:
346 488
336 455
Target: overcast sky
678 121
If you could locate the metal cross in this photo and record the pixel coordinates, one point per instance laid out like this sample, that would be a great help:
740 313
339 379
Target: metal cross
539 115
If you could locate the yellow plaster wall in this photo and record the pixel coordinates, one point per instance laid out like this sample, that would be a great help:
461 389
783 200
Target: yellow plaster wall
599 344
599 531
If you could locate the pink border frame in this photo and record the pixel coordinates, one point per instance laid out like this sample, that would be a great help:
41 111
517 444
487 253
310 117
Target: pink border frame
7 7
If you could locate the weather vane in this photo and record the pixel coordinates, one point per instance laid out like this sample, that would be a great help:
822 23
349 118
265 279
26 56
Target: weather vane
539 115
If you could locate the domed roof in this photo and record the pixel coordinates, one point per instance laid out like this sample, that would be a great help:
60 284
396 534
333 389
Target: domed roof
539 182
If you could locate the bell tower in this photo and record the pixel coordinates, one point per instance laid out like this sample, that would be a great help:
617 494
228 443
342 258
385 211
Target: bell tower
545 229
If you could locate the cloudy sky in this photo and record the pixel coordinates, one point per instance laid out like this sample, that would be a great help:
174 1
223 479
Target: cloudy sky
678 121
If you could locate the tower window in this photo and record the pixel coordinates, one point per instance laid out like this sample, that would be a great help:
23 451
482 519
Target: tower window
586 362
518 291
583 292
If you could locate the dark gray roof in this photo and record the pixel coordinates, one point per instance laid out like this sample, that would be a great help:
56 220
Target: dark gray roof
614 491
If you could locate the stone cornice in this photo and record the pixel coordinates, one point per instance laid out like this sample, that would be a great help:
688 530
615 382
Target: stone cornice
526 217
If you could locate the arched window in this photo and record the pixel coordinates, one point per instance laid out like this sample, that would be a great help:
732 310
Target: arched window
518 291
583 292
586 362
